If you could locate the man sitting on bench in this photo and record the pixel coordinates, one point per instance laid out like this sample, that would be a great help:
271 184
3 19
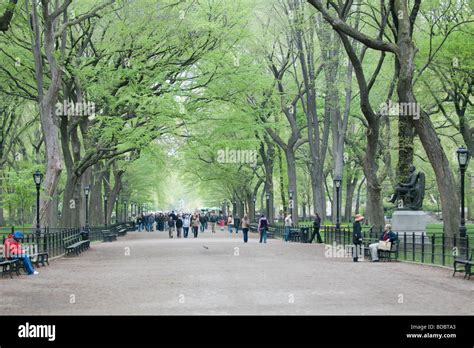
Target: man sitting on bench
14 250
387 236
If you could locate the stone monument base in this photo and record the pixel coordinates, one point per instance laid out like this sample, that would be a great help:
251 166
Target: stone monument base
411 222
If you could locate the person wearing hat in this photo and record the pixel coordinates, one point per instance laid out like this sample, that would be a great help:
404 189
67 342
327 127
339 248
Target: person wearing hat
357 236
14 250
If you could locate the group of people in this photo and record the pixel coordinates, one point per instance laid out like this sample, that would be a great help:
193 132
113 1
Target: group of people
386 236
180 224
316 228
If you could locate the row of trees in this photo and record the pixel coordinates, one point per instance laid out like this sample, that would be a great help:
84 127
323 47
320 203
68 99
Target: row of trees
316 80
303 85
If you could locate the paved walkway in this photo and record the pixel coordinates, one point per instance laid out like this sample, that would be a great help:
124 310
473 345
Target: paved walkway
147 273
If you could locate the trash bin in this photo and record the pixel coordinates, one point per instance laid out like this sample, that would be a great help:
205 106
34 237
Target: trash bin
305 234
85 234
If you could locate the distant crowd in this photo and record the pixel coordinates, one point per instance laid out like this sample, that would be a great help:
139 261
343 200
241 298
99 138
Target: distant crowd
182 224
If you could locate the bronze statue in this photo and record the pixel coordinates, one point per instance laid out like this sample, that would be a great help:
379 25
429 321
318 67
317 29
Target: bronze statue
412 191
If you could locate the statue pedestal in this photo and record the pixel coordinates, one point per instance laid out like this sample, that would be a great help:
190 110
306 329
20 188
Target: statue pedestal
410 221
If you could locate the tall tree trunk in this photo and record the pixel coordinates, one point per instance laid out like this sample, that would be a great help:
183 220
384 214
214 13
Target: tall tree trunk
351 184
291 169
422 123
282 181
46 101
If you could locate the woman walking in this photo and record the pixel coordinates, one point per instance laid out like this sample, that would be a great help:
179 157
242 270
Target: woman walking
245 227
195 224
222 223
186 224
230 223
179 226
262 228
288 224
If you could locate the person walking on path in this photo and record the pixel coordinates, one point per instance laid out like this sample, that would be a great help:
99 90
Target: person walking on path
195 224
179 226
262 228
170 226
230 223
150 222
140 222
202 221
222 223
237 223
357 237
14 250
288 224
316 228
245 227
213 220
186 224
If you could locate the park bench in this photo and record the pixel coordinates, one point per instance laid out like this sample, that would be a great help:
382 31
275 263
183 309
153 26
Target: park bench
109 236
121 230
271 232
74 244
384 255
391 254
9 266
130 226
295 235
467 266
38 257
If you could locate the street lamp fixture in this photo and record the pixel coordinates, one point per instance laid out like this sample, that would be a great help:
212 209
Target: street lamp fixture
254 207
105 209
267 195
463 160
337 184
87 190
38 179
125 211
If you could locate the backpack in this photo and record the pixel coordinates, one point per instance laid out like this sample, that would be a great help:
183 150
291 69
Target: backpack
264 223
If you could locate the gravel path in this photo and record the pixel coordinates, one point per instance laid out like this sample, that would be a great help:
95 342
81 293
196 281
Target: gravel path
147 273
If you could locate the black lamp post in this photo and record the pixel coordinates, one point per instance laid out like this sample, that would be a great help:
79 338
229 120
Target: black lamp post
105 209
87 190
234 207
38 178
254 202
463 160
267 195
116 210
125 210
337 184
227 208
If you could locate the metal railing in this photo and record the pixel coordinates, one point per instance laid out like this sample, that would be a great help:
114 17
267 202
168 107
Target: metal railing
51 240
430 248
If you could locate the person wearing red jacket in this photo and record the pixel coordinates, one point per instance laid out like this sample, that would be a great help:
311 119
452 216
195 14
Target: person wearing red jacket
14 250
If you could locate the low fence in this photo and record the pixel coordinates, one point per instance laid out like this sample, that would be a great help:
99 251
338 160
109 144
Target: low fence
433 247
51 240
